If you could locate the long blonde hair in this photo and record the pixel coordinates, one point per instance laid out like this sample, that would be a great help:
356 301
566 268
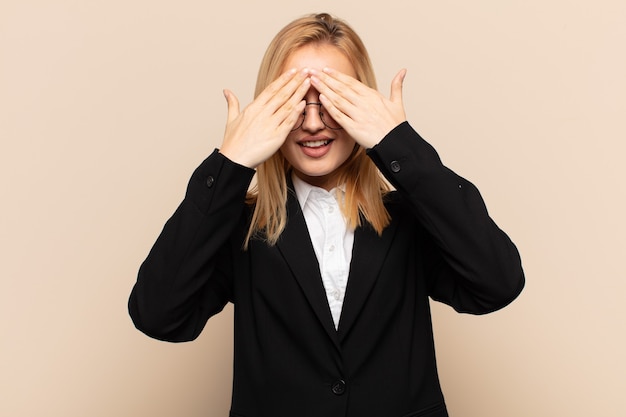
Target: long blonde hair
365 187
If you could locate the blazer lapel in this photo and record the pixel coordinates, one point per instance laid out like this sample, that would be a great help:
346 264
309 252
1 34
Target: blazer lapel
368 255
296 247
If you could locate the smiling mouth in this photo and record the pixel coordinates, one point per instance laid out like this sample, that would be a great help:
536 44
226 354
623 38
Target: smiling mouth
315 143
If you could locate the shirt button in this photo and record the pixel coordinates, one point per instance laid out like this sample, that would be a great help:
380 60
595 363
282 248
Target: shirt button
395 166
331 248
336 295
338 387
210 181
331 209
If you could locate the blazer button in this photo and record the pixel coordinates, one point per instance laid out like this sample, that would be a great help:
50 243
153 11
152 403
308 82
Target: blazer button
338 387
210 181
395 166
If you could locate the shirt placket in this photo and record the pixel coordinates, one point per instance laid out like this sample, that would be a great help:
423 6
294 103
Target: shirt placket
333 255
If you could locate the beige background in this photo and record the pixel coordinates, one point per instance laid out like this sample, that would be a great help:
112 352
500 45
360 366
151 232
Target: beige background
106 107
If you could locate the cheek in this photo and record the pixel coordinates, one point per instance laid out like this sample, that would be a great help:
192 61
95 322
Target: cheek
286 150
349 146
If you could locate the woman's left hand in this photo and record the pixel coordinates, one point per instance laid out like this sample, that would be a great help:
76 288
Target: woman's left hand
365 114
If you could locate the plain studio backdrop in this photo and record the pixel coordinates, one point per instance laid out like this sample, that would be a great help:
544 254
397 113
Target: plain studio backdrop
106 108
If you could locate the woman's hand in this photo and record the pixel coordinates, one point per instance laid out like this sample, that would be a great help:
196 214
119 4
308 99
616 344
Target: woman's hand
365 114
257 132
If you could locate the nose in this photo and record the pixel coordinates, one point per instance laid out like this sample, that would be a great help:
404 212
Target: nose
312 121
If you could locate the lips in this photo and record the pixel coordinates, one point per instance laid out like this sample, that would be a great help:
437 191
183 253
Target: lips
315 147
314 143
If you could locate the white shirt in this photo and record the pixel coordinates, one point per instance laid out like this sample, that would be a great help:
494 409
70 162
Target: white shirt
331 238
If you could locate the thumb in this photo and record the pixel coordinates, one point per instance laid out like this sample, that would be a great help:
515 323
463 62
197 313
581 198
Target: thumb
233 105
396 86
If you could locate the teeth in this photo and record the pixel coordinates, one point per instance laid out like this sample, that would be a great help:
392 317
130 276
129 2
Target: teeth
315 143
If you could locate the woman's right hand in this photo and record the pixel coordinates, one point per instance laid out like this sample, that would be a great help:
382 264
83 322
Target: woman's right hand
257 132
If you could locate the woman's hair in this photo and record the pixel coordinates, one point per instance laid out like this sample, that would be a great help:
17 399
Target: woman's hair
364 184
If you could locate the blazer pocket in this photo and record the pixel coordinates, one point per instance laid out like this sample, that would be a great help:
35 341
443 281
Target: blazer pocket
435 410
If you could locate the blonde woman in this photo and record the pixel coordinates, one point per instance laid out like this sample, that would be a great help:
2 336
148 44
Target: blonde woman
329 269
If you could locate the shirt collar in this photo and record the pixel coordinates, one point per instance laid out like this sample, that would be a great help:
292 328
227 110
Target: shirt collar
303 189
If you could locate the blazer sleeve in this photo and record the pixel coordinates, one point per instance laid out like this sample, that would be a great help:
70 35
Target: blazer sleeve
474 267
185 279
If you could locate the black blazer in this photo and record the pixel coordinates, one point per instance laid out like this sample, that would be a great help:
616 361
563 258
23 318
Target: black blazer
289 359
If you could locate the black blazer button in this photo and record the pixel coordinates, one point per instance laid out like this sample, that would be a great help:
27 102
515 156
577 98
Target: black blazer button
395 166
338 387
210 181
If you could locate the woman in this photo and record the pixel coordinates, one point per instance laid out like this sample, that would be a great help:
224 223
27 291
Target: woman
329 271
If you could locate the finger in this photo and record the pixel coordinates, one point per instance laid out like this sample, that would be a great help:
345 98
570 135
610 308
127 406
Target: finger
343 84
340 115
333 92
290 120
292 92
272 88
282 88
339 100
233 105
291 109
341 77
396 86
300 92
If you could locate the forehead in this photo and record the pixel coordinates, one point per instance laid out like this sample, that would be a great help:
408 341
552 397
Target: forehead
319 56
